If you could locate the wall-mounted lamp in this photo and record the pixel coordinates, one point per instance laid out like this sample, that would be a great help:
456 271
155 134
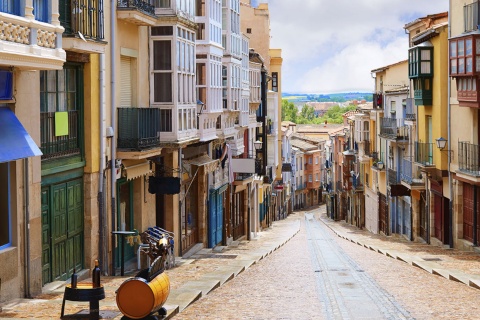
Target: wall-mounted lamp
380 165
441 144
200 107
258 145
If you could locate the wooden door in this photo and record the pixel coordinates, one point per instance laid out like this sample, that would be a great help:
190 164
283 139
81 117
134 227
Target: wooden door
46 232
438 216
125 216
383 214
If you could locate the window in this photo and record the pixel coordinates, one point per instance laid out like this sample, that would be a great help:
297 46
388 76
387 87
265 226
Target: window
249 30
275 81
316 160
309 160
162 68
40 10
317 177
162 4
165 120
5 214
10 6
310 178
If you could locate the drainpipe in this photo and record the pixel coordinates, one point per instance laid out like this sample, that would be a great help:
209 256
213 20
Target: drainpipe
180 202
27 229
101 196
112 120
449 125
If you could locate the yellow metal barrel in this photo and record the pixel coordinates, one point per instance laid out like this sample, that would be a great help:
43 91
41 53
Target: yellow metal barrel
137 298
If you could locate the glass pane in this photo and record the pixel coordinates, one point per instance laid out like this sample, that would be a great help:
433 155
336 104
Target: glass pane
71 102
468 47
62 102
425 67
163 87
477 67
51 81
461 49
474 84
461 65
477 46
453 66
71 80
61 80
425 54
469 64
162 55
453 49
52 102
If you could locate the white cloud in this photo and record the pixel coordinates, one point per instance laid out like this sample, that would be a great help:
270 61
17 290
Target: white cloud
331 46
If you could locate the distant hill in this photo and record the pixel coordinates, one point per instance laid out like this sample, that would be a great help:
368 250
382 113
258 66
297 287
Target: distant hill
332 97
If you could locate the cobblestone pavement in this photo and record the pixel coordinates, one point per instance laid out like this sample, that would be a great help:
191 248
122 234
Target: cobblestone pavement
282 285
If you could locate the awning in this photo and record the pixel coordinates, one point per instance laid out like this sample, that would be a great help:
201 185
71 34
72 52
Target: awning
15 142
134 170
204 160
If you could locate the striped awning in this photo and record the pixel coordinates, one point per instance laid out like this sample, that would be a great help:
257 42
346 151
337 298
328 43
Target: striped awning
133 170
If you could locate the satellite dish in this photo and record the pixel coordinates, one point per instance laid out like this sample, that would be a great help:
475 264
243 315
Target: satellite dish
81 36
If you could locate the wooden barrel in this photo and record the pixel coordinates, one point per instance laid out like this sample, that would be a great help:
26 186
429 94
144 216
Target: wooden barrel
137 298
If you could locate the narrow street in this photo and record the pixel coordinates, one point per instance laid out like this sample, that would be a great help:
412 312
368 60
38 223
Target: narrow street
317 275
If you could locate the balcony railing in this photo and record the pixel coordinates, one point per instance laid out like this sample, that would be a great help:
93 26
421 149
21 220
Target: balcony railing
138 128
83 16
424 153
392 177
243 176
144 6
471 14
407 169
53 146
356 182
393 128
469 158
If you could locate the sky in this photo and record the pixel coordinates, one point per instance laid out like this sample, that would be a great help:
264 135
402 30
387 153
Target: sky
331 46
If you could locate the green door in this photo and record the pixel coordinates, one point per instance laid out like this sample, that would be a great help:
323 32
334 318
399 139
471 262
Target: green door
62 230
125 214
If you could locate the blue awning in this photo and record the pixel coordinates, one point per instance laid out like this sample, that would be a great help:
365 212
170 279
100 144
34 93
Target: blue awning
15 142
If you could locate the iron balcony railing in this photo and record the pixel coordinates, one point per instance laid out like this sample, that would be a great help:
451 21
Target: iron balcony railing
53 146
243 176
471 14
83 16
393 128
392 177
407 170
424 153
469 158
143 6
356 182
138 128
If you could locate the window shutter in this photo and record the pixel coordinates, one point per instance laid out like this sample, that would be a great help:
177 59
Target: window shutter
125 82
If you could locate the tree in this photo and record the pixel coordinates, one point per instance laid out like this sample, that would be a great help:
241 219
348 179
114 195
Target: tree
289 111
307 112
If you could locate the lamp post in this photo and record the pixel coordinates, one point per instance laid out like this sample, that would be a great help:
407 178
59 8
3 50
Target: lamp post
258 162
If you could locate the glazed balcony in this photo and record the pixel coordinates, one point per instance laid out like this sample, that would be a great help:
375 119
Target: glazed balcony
138 12
469 158
84 23
471 14
29 43
138 129
393 128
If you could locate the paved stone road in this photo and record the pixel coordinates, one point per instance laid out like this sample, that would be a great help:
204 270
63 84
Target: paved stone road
347 292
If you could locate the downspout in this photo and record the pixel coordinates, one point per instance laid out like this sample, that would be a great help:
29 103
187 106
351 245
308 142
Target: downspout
101 196
113 170
450 185
180 202
27 229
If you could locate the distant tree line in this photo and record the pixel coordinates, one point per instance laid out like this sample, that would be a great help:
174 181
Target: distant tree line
307 114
